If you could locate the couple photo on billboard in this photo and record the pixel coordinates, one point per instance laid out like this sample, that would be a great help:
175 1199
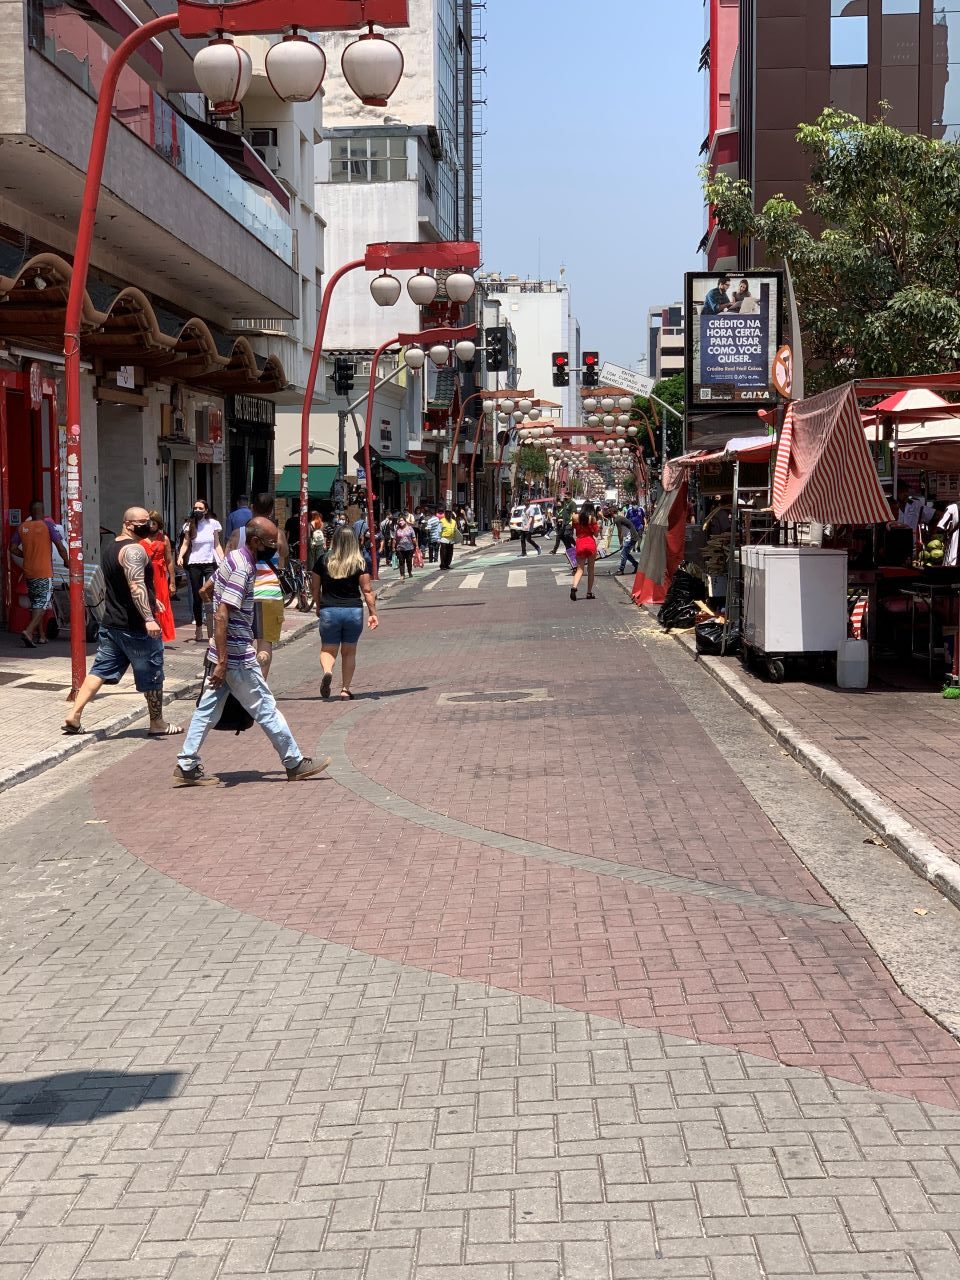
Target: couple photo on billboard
733 334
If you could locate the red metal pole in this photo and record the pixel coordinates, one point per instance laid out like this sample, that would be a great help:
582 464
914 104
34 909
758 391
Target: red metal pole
456 438
366 451
308 401
71 335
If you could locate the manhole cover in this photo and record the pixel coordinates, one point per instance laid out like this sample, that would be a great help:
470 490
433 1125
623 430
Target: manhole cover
480 696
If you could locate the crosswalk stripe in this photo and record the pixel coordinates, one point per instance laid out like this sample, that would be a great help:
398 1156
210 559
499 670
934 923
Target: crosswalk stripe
471 582
517 578
431 584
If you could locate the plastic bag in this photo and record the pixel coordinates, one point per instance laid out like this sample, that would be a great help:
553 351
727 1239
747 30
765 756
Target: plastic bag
709 637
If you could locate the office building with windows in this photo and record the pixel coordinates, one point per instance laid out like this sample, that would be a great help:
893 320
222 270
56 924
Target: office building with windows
796 57
409 171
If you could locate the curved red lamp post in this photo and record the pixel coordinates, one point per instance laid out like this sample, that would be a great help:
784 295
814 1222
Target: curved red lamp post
449 338
398 255
195 19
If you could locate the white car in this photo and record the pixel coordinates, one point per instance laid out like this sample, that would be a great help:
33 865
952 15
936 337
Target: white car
516 522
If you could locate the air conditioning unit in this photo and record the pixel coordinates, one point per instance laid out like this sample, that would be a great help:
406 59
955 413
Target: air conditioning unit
261 137
270 157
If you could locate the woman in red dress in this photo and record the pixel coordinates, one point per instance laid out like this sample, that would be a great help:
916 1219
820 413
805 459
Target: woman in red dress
585 529
161 557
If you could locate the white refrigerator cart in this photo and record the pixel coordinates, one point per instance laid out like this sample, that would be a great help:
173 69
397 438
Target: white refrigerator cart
794 604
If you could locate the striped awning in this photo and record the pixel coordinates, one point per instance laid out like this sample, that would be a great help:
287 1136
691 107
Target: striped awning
824 469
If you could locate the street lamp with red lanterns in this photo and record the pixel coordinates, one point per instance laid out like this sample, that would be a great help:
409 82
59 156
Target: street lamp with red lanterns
371 65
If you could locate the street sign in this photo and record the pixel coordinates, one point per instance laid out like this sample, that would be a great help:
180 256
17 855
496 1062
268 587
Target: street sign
361 475
783 372
615 375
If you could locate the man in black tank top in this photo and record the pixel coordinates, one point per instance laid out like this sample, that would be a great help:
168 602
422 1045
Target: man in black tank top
129 634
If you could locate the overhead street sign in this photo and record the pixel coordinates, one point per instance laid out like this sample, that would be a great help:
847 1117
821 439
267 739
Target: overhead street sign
614 375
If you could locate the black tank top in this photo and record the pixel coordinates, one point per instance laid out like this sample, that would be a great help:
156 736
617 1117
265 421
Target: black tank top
119 610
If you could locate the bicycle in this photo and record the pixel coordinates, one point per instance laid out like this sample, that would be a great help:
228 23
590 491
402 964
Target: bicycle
295 585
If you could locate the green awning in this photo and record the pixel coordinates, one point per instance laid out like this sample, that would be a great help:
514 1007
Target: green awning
321 481
405 470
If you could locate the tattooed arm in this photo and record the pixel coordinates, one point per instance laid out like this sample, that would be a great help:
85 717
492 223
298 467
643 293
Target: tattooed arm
133 560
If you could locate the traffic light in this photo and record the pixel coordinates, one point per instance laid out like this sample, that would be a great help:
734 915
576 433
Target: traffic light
343 375
561 368
591 368
498 355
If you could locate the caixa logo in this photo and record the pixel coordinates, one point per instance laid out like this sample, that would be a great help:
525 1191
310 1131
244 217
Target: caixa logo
754 395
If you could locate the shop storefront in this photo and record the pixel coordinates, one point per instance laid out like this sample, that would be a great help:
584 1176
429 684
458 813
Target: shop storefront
251 432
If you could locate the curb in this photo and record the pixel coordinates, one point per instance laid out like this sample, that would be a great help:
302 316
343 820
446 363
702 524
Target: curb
173 692
911 845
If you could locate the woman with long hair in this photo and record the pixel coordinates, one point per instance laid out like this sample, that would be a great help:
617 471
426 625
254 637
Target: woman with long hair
158 548
341 585
586 527
405 542
201 552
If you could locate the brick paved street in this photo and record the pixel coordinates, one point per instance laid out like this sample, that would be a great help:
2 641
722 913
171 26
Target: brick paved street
567 970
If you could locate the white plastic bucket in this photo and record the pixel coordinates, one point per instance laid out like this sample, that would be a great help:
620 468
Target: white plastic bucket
853 664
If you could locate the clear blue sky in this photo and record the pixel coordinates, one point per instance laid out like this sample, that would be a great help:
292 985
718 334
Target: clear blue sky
594 120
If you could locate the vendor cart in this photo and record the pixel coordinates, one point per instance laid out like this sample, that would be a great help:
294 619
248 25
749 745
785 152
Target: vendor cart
794 605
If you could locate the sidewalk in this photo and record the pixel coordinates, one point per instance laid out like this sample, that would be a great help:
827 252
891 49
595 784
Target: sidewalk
34 684
891 755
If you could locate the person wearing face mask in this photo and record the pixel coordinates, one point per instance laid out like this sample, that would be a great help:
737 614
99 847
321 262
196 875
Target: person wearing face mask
129 634
201 552
267 591
232 666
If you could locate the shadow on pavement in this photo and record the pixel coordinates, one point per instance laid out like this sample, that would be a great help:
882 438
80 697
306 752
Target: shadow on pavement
80 1097
373 696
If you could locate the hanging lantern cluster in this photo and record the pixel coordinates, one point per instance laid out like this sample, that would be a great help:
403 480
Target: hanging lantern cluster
372 66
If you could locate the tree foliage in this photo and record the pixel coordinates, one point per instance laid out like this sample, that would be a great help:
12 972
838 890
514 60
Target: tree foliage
878 283
671 391
532 461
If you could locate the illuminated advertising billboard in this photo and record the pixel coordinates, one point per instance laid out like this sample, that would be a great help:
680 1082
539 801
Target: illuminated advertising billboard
733 333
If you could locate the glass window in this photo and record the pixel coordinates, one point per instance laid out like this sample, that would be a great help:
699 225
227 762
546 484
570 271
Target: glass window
900 87
946 98
901 6
848 90
946 36
848 41
369 160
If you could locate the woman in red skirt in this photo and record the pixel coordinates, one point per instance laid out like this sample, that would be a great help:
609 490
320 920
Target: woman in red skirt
586 527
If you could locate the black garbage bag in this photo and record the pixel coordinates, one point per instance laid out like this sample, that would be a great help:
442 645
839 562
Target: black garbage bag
709 637
234 718
679 609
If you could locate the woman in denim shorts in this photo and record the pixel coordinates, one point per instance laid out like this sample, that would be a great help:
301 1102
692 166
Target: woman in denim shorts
341 584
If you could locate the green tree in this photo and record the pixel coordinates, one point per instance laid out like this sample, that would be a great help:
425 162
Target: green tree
878 281
532 461
671 391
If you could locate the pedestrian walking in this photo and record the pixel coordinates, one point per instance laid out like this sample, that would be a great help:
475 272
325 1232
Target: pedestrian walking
341 586
564 514
628 537
32 549
449 536
200 553
129 634
434 526
241 515
268 606
526 529
232 667
158 548
405 541
385 541
586 528
318 539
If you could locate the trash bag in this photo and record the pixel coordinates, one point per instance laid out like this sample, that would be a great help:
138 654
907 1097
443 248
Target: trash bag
679 609
709 638
234 718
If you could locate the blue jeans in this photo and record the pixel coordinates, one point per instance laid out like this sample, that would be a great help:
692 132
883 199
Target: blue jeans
118 649
250 689
626 553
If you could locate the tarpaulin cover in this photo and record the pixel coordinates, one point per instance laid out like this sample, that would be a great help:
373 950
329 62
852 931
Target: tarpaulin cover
824 469
662 548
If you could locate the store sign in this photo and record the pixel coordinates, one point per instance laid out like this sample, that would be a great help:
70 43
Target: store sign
733 336
215 426
254 409
36 385
125 377
204 453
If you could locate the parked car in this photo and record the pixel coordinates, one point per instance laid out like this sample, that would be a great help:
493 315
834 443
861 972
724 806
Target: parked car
516 521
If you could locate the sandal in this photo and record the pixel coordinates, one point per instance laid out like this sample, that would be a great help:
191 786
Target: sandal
346 695
325 686
573 593
168 732
71 730
591 596
28 640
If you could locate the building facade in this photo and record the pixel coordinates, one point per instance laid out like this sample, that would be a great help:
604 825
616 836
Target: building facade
407 172
197 241
797 57
665 351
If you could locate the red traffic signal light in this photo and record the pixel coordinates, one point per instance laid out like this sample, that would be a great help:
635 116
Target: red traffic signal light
590 357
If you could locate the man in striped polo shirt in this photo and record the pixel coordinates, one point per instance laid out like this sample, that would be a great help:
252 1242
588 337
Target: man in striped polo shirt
232 666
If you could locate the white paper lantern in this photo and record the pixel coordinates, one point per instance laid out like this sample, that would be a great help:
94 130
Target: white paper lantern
589 405
223 73
508 405
440 354
414 357
490 408
625 403
607 404
295 68
533 414
372 67
524 405
385 289
460 286
609 420
631 431
465 350
422 288
518 417
593 420
624 419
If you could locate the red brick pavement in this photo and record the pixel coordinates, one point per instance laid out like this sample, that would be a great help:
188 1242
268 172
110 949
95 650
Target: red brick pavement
903 744
615 767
